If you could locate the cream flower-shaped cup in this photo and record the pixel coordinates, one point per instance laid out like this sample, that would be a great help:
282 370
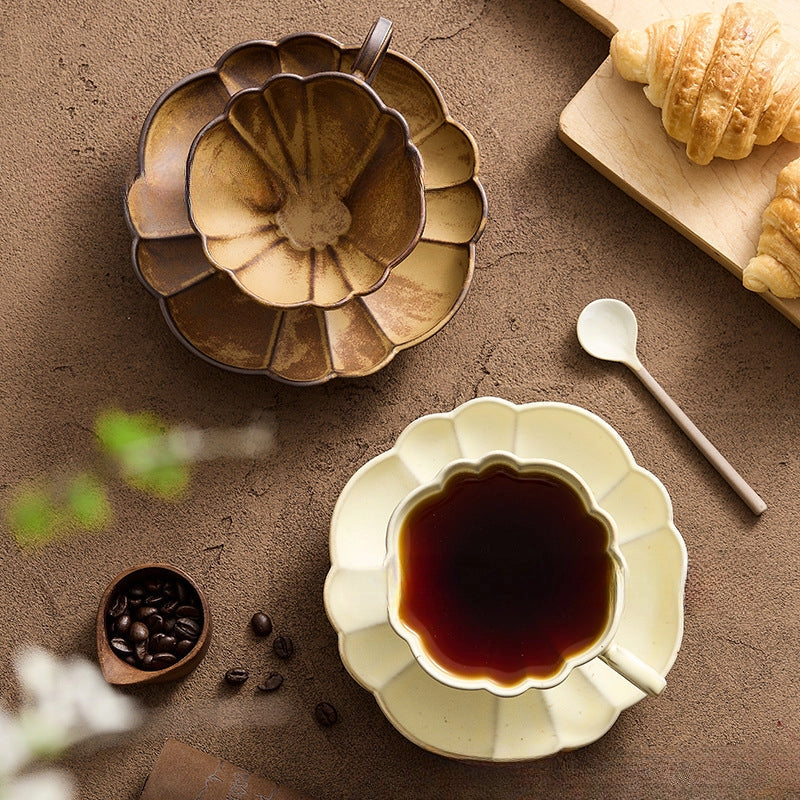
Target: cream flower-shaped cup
504 574
210 314
306 191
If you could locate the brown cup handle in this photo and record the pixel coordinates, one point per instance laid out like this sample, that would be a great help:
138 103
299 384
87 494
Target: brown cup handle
373 50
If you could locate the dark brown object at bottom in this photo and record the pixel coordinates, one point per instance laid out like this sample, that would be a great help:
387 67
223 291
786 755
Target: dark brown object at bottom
182 772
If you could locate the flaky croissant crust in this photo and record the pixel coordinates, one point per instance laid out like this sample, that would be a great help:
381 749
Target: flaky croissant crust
724 82
776 268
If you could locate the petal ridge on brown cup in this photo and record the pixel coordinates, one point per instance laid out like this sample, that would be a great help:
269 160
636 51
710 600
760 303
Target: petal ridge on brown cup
291 169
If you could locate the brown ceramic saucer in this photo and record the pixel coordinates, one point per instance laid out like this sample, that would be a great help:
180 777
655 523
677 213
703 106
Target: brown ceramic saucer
208 312
120 673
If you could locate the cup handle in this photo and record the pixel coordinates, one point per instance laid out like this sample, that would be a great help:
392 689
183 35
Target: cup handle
373 50
633 669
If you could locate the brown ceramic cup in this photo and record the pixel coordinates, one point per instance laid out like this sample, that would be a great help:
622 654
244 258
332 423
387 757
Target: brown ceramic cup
308 190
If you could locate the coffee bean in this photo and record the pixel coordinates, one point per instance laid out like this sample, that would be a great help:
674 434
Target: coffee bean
236 676
187 628
325 714
261 624
121 646
123 624
161 643
138 632
272 682
183 647
155 623
162 660
119 606
143 612
152 624
168 625
283 647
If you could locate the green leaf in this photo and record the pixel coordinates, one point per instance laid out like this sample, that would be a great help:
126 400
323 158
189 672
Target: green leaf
87 503
32 516
144 453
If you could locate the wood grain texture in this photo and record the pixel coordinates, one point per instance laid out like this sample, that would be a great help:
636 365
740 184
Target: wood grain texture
611 124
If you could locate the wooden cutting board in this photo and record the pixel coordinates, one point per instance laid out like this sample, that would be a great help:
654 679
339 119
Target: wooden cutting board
611 124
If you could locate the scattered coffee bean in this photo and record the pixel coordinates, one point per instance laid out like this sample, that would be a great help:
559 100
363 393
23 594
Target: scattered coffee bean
272 682
261 624
325 714
236 676
156 622
283 647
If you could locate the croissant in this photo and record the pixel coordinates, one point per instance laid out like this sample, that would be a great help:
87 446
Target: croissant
723 82
777 266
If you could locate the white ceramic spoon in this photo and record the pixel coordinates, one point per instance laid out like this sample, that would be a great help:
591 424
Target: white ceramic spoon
608 329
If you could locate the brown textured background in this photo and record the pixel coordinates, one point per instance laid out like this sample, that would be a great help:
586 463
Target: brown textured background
79 333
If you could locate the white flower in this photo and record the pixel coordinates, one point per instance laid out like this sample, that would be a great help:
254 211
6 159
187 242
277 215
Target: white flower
67 701
43 785
14 749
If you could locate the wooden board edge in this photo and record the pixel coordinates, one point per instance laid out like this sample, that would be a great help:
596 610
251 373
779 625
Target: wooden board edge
790 309
592 16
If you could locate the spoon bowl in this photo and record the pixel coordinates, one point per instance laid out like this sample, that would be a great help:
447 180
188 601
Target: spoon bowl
154 577
607 329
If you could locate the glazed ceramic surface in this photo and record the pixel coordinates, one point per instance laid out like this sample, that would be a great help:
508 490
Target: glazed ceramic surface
306 191
476 724
396 571
206 309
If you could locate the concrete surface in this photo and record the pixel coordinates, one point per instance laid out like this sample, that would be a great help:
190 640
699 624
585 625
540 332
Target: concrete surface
79 333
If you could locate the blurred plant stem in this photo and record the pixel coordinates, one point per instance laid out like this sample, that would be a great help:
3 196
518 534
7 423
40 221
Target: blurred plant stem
140 450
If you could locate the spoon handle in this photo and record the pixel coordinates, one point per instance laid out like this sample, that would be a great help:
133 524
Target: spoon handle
736 481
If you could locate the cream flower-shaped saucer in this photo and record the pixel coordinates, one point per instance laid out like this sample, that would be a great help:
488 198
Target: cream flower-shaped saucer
477 725
219 322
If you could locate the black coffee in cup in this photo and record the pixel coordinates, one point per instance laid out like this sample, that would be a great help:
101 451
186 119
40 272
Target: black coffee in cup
505 574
